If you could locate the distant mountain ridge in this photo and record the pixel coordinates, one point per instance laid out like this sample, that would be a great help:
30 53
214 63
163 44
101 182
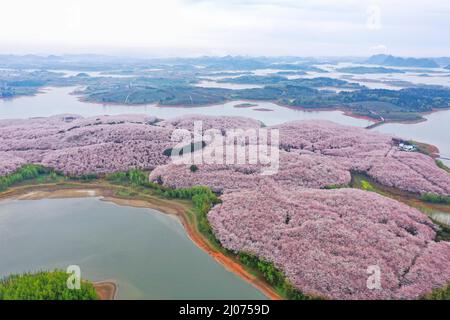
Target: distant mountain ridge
389 60
368 70
442 61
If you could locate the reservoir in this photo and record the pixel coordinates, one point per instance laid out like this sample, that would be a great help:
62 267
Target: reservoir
53 101
435 131
147 253
59 100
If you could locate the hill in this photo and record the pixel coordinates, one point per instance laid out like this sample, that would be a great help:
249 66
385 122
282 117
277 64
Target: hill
389 60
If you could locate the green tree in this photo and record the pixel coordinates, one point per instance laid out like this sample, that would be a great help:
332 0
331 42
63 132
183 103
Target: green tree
44 285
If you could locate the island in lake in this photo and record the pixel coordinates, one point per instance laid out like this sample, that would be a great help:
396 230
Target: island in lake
177 82
245 105
339 193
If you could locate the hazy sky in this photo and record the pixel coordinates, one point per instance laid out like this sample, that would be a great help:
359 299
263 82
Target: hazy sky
219 27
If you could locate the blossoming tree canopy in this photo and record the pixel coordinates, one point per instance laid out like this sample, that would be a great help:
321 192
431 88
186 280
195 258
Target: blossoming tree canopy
321 153
325 240
76 145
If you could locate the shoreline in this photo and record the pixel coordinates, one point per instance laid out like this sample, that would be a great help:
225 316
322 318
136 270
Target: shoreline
106 290
175 208
347 112
41 90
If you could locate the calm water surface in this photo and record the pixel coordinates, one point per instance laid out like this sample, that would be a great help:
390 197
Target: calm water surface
436 131
441 217
59 100
146 252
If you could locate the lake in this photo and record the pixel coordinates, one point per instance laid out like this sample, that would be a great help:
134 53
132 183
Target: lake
59 100
417 76
435 131
441 217
146 252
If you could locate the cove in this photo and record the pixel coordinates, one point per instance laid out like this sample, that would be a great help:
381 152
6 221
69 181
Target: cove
147 253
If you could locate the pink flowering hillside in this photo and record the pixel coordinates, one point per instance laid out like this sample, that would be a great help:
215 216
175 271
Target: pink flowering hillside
211 122
369 152
295 171
9 163
78 145
325 240
411 171
317 154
